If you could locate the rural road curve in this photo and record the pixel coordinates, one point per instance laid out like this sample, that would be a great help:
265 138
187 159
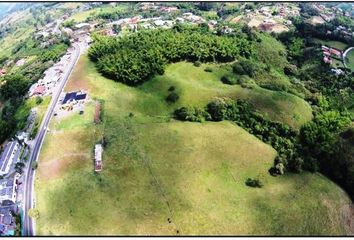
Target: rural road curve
345 55
37 143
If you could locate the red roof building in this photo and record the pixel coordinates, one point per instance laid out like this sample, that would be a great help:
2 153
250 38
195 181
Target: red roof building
336 52
2 72
39 90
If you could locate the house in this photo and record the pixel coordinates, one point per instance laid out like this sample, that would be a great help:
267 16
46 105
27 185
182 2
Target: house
7 221
38 91
336 52
2 72
337 71
20 62
9 154
98 157
83 26
168 9
327 60
8 189
159 23
67 32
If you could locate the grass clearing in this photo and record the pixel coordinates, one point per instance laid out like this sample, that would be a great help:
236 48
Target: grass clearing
331 43
155 169
350 60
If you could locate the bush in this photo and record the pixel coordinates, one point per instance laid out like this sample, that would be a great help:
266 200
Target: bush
246 67
254 182
34 165
39 100
172 97
208 69
197 63
229 79
172 88
191 114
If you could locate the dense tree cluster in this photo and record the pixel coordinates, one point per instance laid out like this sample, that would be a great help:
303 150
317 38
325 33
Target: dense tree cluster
134 58
278 135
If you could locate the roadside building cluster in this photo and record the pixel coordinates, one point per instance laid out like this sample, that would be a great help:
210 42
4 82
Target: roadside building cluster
9 187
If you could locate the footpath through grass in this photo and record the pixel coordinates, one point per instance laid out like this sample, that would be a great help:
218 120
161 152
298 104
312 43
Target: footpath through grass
165 177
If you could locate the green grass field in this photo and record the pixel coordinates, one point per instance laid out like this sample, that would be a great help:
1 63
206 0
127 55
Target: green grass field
156 169
350 60
334 44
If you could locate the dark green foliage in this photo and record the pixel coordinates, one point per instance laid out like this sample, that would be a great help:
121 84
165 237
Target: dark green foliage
172 97
197 64
135 58
229 79
254 183
208 69
39 100
15 86
246 67
171 89
69 24
19 167
191 114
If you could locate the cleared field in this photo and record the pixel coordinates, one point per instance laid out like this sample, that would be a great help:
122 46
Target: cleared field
170 177
334 44
350 59
81 16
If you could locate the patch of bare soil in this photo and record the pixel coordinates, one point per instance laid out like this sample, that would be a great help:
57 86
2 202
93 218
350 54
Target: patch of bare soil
56 167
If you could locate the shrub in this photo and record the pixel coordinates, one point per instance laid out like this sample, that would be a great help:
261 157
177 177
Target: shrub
39 100
208 69
172 88
197 63
172 97
254 182
34 165
246 67
191 114
229 79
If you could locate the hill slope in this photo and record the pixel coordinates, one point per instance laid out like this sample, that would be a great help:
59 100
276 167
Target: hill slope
169 177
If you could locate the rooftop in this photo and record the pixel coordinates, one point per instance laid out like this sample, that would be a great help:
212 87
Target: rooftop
8 156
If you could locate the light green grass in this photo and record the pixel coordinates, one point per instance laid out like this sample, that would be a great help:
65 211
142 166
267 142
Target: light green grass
350 60
153 169
82 16
334 44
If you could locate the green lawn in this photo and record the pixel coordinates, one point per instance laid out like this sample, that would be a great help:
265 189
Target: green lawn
334 44
156 168
350 60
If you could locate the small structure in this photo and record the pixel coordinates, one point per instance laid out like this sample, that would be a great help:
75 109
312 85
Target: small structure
7 221
83 26
98 157
10 153
74 97
97 117
38 91
20 62
8 188
2 72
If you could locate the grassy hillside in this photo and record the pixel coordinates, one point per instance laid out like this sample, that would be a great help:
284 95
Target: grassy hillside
162 176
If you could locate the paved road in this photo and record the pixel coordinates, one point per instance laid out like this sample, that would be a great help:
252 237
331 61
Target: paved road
37 143
345 55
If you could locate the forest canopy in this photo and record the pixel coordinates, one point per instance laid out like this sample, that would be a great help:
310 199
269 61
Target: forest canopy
134 58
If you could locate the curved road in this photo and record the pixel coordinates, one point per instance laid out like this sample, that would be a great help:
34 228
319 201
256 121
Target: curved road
29 178
345 55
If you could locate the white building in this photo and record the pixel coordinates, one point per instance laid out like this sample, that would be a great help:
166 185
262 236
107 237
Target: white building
9 154
98 157
8 189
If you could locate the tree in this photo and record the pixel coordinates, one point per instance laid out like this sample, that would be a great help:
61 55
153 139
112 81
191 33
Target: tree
34 165
33 213
172 97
